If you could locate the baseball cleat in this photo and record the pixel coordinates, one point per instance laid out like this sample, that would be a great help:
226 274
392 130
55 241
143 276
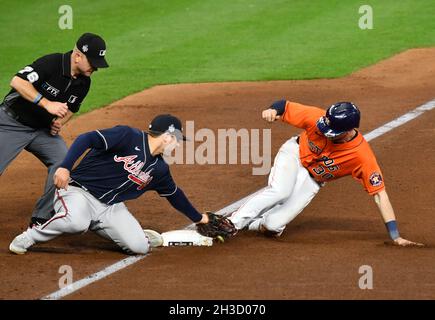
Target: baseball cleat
155 239
20 244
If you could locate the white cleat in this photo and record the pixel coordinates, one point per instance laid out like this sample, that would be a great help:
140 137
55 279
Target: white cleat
155 239
21 243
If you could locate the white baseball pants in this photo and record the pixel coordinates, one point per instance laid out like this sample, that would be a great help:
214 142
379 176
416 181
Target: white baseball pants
78 211
289 191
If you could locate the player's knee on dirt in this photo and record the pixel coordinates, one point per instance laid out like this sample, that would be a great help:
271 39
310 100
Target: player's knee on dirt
132 241
271 229
136 247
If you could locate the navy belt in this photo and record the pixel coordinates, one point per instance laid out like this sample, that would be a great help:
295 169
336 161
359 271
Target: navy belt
75 184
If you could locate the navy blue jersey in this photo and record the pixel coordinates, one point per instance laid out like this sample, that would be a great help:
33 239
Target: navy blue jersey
124 168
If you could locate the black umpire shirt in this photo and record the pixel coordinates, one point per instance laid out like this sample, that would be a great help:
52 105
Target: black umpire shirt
51 77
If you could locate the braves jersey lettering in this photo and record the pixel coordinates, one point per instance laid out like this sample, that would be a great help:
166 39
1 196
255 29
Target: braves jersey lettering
137 176
123 171
143 179
326 160
129 164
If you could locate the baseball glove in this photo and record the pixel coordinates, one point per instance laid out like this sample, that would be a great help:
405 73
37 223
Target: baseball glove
218 227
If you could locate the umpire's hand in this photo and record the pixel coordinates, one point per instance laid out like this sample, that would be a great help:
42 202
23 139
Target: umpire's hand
59 109
61 178
56 125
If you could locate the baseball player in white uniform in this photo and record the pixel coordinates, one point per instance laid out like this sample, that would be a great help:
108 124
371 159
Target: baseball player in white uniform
330 147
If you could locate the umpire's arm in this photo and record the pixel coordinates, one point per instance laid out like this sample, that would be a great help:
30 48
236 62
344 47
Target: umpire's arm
28 92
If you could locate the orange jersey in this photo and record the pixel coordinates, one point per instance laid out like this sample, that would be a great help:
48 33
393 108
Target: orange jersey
326 160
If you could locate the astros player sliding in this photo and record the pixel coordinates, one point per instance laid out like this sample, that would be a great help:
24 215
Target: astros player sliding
122 164
329 148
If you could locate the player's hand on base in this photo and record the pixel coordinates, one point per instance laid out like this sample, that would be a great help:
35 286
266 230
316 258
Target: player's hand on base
56 125
406 243
61 178
270 115
57 108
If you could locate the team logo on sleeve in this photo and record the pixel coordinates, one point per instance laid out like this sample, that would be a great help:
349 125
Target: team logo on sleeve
375 179
72 99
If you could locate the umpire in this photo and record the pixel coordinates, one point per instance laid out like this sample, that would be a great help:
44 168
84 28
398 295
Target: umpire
44 96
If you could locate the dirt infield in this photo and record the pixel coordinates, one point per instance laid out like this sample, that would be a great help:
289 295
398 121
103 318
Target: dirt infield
319 254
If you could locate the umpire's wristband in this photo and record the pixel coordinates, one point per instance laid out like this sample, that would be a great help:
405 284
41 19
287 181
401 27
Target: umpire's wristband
392 229
37 98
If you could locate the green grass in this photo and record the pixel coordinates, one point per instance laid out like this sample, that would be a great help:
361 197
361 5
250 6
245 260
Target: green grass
168 41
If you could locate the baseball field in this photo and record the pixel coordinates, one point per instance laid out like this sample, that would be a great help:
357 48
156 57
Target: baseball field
219 64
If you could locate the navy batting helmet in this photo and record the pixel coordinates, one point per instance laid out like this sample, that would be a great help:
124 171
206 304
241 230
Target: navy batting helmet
339 118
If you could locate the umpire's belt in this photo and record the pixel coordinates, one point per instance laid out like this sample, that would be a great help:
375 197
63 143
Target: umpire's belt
11 113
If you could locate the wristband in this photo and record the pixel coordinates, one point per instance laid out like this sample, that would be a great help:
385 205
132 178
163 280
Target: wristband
38 98
279 106
392 229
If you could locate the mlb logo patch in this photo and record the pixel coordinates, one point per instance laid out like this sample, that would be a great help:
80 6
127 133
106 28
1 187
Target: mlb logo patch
375 179
72 99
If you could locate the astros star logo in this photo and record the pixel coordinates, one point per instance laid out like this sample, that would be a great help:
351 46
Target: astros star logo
375 179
